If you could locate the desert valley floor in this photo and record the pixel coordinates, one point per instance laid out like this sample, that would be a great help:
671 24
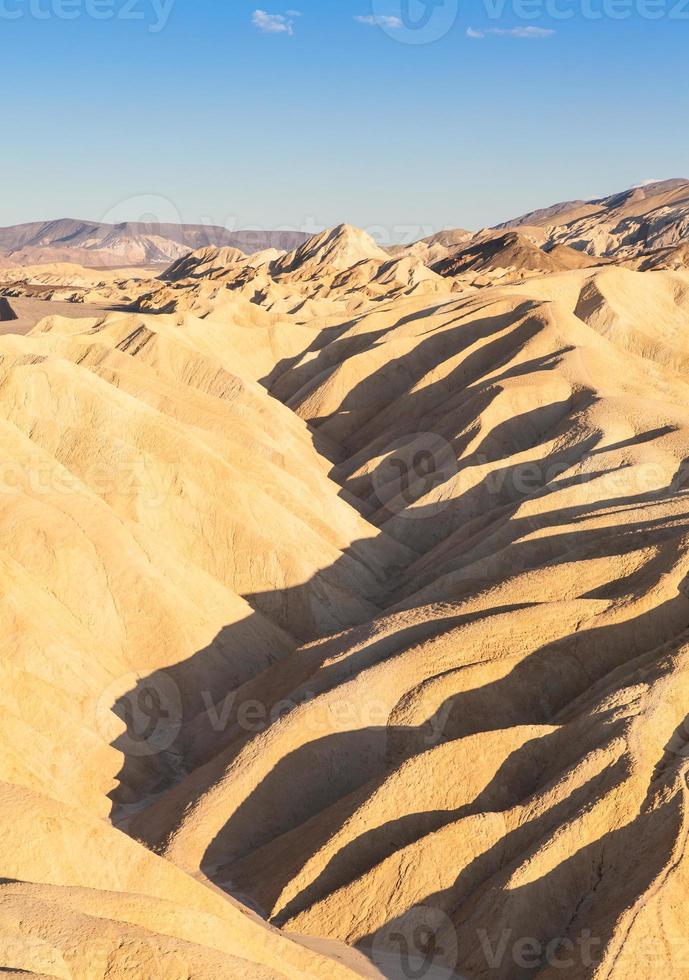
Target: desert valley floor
345 607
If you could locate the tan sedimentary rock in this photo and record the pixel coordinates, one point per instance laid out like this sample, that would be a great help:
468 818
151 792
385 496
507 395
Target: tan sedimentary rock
337 598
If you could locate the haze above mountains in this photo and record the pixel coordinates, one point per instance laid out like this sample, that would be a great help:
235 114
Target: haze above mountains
345 604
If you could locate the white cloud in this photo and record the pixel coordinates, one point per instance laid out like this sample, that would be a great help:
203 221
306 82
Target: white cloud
519 32
379 20
274 23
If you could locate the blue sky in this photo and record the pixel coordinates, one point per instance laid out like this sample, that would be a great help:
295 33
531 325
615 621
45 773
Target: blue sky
240 119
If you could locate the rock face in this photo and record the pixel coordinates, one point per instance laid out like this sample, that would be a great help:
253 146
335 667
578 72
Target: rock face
6 311
510 252
333 250
345 621
211 262
626 225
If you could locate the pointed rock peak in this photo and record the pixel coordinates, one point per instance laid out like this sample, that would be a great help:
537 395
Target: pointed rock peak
338 248
202 262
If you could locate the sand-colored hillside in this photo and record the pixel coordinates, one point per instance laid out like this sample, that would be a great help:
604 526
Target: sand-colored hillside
345 615
624 226
512 255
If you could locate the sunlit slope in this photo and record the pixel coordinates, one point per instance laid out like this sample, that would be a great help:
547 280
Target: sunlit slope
134 546
336 591
497 740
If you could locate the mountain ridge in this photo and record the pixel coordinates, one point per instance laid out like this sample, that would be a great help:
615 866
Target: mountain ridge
128 243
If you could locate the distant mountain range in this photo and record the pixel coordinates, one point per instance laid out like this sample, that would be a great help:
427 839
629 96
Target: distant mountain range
93 243
649 223
635 222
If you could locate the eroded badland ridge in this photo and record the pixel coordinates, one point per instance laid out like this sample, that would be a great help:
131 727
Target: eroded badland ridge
345 606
